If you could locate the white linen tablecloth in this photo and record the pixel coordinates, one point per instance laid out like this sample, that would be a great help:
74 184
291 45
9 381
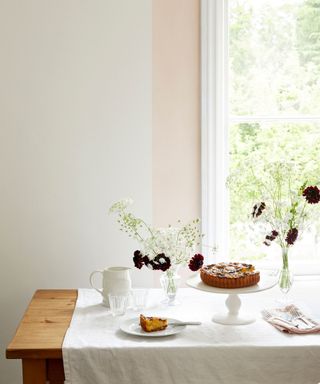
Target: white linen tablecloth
96 351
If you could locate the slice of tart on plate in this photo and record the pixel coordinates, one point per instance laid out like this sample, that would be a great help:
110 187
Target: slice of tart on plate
153 324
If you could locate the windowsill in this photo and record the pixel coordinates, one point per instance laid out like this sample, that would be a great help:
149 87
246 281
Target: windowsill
299 268
307 278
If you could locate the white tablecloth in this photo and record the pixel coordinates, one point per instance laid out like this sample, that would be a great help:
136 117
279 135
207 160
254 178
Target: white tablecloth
96 351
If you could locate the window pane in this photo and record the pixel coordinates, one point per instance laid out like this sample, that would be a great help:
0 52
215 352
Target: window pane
274 48
252 146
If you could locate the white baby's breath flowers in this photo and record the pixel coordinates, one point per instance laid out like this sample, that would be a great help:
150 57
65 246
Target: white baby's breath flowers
120 205
170 242
176 243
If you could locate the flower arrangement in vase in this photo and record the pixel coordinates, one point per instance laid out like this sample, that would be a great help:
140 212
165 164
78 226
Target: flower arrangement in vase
283 211
162 249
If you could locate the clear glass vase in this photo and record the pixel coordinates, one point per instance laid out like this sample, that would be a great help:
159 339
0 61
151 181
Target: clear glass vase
170 281
285 277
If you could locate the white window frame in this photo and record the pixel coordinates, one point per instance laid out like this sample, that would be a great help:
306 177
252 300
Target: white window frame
214 152
215 121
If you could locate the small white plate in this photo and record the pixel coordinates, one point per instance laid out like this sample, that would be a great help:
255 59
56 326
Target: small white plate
132 327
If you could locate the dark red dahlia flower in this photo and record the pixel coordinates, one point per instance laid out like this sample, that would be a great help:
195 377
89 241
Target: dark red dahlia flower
138 259
292 236
312 194
258 209
270 238
161 262
196 262
146 260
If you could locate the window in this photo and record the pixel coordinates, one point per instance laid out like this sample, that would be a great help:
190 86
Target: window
260 101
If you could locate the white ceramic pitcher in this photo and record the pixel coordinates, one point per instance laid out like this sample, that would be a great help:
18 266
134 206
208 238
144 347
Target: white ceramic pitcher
115 280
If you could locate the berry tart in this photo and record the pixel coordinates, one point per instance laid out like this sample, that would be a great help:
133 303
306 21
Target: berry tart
229 275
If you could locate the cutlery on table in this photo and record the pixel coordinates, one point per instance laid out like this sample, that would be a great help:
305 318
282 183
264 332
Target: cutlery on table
184 323
268 316
297 315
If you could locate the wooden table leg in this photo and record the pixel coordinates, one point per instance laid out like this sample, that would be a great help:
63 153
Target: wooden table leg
55 371
34 371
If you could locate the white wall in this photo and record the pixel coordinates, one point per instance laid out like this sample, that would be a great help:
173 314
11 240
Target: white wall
75 135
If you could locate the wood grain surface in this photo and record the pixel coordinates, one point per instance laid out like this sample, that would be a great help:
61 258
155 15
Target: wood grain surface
42 329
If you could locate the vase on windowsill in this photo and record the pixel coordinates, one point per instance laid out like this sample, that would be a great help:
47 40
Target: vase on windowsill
285 276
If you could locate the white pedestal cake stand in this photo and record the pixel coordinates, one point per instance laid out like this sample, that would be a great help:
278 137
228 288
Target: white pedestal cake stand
233 303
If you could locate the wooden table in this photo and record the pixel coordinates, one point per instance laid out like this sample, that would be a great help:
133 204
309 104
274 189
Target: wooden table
39 337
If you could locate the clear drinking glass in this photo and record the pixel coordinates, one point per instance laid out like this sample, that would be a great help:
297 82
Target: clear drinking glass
139 298
118 304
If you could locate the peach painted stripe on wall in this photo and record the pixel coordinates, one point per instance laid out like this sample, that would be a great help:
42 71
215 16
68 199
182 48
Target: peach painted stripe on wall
176 110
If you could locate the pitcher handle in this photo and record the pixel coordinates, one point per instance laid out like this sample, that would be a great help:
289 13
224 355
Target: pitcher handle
91 282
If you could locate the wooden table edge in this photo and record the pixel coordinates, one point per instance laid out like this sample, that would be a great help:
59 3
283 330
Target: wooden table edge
13 352
33 353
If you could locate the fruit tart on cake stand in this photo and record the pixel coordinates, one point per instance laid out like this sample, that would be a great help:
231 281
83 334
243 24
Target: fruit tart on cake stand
233 279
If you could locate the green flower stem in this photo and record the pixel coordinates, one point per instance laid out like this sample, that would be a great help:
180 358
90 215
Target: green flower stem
285 276
285 260
172 288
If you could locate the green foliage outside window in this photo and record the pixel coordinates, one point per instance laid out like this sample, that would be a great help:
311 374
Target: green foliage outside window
274 49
